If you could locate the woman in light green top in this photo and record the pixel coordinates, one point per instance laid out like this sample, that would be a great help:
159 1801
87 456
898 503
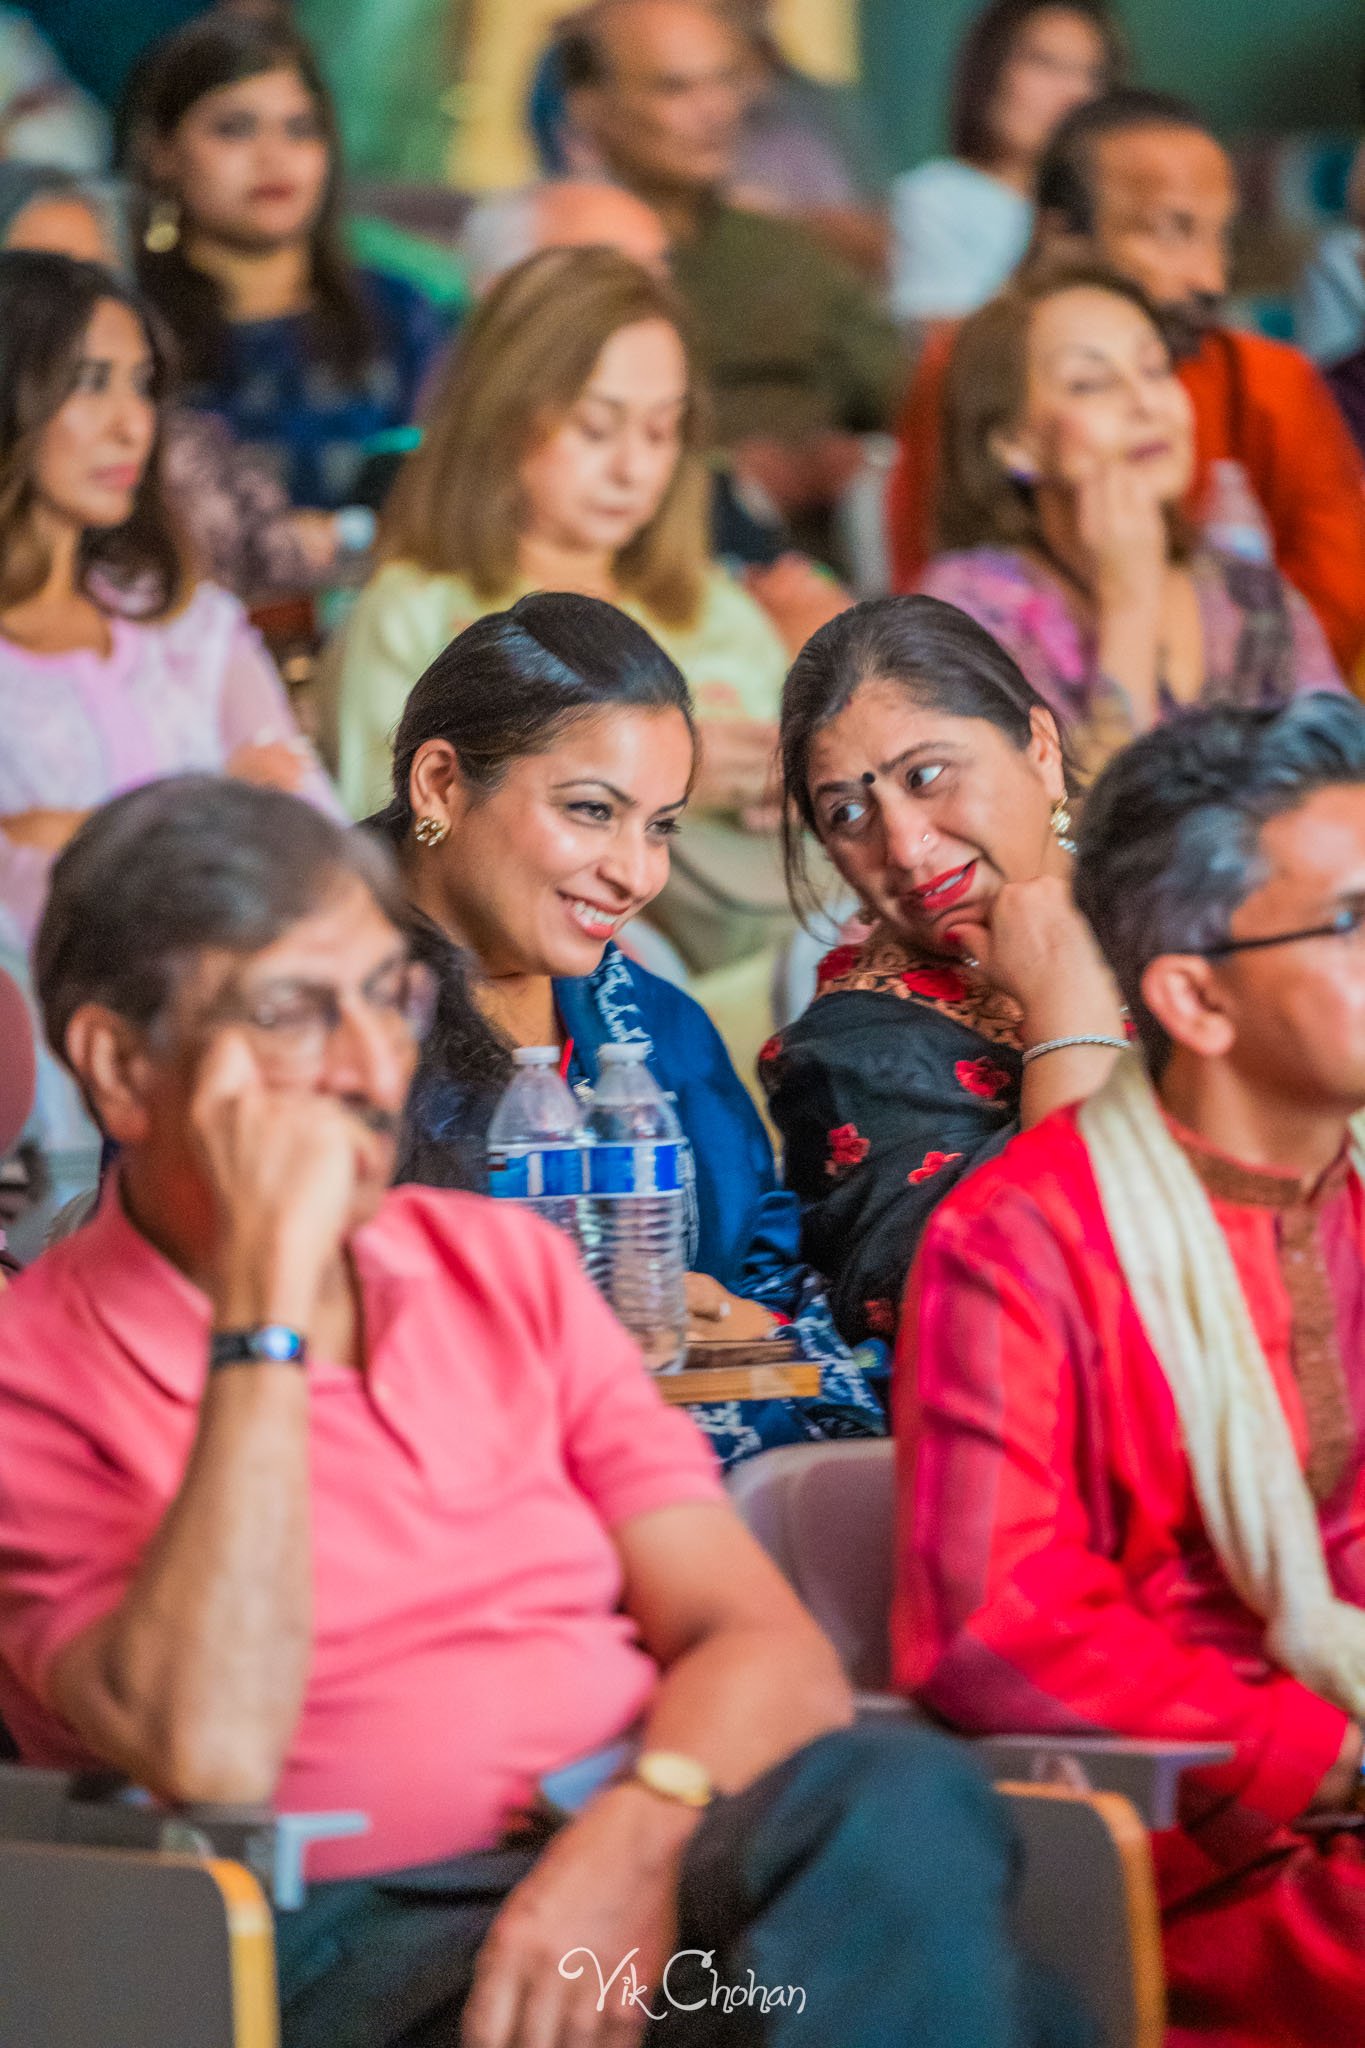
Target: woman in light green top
563 451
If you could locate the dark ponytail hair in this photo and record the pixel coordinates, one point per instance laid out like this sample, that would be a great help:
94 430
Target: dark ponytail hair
507 687
511 683
219 49
940 657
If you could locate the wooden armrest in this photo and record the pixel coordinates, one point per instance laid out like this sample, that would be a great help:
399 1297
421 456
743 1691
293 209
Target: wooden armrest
1147 1774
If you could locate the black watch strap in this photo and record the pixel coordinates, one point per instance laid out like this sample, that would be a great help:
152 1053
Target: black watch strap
263 1344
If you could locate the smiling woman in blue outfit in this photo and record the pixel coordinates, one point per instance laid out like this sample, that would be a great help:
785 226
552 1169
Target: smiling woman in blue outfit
541 768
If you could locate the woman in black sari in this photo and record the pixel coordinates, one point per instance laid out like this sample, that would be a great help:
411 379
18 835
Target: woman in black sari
935 779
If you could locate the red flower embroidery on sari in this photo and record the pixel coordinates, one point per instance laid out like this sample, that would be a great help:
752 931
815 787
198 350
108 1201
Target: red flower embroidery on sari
932 1163
770 1049
940 984
847 1147
982 1077
880 1318
836 964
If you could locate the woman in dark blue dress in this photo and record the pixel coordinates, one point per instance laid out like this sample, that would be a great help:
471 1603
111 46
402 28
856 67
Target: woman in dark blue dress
231 141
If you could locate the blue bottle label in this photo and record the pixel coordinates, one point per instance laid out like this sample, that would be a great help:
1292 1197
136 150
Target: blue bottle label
526 1176
558 1170
508 1177
651 1169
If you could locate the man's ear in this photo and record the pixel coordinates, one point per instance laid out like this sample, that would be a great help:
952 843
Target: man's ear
109 1059
1058 241
1182 992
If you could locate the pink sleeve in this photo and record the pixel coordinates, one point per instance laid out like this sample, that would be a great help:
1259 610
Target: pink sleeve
1010 1615
254 711
626 1450
73 1527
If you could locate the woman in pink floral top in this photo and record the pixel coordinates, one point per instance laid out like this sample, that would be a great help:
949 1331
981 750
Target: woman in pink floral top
114 667
1068 448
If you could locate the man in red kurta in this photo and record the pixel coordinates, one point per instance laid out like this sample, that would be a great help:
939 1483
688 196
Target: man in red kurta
1135 181
1055 1570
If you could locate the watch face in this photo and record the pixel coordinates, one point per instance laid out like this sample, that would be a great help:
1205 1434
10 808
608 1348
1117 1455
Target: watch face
675 1776
275 1342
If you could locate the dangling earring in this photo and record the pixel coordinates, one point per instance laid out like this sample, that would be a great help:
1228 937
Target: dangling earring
162 231
431 831
1060 821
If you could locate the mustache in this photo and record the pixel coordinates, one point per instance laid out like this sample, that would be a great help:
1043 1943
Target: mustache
382 1122
1185 322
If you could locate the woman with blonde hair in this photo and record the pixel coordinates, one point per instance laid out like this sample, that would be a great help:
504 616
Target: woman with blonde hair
563 450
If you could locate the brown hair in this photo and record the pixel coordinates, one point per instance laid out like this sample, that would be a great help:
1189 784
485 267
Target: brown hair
986 50
46 305
979 503
519 366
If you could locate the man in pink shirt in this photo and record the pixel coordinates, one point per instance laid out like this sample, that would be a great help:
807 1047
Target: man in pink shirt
342 1497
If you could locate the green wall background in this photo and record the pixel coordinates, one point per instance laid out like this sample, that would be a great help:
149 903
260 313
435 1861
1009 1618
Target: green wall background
1249 64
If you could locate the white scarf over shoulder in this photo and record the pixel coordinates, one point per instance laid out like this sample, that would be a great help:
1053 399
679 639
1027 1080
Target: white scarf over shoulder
1252 1493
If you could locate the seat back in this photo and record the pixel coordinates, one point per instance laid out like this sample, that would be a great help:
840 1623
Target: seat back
825 1514
1086 1904
1086 1907
133 1950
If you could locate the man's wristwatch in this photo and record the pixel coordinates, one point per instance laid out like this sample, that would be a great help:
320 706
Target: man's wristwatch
263 1344
674 1776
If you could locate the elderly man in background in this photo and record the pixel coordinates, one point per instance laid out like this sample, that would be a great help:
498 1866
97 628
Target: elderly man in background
798 354
1136 181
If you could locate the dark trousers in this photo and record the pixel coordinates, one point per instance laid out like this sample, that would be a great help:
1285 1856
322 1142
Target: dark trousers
864 1883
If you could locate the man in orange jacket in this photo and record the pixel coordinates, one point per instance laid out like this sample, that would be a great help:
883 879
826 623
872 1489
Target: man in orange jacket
1135 180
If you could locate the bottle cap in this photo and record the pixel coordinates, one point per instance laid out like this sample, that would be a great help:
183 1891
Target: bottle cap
536 1056
633 1053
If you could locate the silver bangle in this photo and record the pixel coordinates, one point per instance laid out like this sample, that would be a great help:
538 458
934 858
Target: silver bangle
1035 1052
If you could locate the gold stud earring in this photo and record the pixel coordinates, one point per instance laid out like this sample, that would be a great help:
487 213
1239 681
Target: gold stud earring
162 231
431 831
1060 821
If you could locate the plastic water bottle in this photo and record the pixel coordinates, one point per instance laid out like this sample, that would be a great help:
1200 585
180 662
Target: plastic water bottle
1232 517
635 1173
535 1142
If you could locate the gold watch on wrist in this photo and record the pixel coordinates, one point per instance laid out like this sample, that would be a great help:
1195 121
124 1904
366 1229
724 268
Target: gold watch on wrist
674 1776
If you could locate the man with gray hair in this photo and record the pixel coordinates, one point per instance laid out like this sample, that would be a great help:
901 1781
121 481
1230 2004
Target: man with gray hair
1132 1368
353 1497
799 356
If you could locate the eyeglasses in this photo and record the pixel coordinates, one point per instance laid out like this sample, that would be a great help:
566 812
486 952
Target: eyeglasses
292 1022
1346 921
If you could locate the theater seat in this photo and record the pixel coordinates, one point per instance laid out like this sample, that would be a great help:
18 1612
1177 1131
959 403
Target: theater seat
1082 1806
111 1948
